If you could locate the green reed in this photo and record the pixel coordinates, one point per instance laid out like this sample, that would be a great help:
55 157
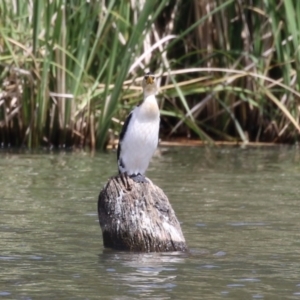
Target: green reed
70 70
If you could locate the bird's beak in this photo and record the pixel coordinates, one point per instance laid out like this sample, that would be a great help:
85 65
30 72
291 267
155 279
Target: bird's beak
150 80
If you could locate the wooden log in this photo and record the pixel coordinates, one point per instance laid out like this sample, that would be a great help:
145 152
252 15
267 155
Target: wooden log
138 217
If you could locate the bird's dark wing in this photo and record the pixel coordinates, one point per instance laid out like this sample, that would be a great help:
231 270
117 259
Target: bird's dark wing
122 134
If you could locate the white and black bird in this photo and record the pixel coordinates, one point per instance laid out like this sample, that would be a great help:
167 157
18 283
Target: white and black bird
139 136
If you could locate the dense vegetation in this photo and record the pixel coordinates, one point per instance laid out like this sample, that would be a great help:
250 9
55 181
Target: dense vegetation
70 69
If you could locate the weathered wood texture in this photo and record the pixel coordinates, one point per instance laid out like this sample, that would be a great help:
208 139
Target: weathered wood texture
138 217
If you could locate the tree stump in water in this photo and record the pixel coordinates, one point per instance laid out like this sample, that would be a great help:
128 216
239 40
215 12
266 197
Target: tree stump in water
138 217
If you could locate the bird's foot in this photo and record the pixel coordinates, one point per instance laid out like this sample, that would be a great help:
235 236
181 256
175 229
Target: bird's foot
139 178
124 180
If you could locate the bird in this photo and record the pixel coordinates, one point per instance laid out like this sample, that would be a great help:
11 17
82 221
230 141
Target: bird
139 135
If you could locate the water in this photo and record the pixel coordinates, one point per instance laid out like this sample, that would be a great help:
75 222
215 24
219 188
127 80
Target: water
239 210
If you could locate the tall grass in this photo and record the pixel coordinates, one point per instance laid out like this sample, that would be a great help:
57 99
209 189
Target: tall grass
63 64
250 51
70 70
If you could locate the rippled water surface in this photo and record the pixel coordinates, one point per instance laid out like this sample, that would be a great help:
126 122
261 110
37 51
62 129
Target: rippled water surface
239 210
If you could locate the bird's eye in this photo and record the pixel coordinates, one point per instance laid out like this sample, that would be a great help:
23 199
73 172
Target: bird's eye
147 75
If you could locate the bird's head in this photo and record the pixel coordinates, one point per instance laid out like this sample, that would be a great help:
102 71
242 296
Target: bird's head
149 85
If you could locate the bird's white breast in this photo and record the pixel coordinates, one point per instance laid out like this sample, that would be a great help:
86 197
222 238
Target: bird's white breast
141 138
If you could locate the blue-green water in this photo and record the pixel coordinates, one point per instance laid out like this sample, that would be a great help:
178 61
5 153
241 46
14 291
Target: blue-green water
239 210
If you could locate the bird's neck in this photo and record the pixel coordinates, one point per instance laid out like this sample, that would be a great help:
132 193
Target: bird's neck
148 93
149 109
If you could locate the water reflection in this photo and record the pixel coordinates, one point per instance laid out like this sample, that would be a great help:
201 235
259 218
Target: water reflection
142 273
